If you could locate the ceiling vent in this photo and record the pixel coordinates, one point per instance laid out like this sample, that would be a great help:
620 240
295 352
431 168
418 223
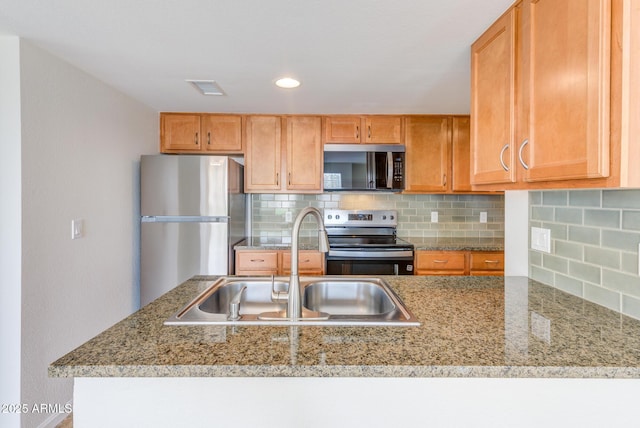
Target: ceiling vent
207 87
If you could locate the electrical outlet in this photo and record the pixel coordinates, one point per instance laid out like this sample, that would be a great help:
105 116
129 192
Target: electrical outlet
288 217
541 239
434 216
483 217
77 228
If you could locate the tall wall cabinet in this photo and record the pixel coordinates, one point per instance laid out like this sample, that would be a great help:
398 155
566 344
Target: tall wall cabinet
548 96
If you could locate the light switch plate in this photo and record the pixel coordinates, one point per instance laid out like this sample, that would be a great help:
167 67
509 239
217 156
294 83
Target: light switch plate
483 217
77 228
434 216
541 239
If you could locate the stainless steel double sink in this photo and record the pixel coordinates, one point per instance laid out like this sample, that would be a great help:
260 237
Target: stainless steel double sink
343 301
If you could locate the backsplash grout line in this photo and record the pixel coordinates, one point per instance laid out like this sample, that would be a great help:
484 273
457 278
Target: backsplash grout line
595 233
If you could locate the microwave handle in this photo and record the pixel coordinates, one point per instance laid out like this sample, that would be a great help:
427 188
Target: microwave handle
389 171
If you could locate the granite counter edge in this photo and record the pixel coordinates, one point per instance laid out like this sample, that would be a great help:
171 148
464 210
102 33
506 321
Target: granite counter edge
348 371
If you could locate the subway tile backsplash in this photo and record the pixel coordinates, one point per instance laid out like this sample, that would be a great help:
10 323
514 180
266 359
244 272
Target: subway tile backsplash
594 245
458 215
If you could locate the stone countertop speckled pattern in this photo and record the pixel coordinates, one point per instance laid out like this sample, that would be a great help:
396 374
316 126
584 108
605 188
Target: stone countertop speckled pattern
434 244
275 243
457 244
471 327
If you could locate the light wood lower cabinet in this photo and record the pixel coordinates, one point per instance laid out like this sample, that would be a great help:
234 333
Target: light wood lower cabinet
459 262
278 262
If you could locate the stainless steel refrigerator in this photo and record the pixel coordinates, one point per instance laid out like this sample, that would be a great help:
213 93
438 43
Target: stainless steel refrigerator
193 213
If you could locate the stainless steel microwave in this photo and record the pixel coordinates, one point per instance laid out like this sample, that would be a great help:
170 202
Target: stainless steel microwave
364 167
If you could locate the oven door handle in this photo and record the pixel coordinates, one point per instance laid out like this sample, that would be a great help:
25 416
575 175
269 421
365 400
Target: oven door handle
358 254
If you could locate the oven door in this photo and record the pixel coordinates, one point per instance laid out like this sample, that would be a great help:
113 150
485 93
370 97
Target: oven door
337 265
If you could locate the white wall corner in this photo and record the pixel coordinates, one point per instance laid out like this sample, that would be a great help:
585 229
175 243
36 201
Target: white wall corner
516 236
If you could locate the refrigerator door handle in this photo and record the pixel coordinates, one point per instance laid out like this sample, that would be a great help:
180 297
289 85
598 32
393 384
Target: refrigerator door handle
184 219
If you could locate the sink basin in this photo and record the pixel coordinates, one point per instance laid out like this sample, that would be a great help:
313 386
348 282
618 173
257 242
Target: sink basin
347 298
343 300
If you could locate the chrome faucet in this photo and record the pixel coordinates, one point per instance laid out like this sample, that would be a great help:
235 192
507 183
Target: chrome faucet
294 303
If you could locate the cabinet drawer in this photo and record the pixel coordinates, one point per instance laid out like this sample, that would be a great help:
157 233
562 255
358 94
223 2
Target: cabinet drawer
257 262
440 261
489 261
309 262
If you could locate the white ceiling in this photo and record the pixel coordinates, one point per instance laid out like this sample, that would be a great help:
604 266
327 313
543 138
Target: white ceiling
352 56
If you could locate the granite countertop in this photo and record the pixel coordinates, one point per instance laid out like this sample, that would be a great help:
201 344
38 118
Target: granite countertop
275 243
435 244
470 327
457 244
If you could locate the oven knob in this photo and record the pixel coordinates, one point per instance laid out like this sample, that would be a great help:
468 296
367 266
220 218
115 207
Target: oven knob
391 217
329 216
337 216
384 217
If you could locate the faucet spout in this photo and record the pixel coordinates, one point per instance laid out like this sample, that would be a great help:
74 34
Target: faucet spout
294 304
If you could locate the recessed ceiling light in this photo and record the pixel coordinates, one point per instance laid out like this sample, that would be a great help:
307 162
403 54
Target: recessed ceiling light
207 87
287 83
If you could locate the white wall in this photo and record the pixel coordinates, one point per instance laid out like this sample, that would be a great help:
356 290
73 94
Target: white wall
516 235
10 226
81 143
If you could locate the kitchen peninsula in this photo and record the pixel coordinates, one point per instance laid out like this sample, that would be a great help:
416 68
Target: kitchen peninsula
502 348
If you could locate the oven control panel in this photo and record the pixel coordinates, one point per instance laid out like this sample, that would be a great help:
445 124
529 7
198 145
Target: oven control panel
362 218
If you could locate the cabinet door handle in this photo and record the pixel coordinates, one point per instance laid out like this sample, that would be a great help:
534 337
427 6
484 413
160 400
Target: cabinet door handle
441 261
504 148
257 260
196 140
289 179
277 178
492 261
357 132
524 143
444 180
369 132
209 138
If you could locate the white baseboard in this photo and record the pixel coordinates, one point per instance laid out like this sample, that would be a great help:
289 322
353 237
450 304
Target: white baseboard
54 419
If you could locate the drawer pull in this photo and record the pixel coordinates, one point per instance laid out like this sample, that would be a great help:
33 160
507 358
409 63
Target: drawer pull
441 261
492 261
257 260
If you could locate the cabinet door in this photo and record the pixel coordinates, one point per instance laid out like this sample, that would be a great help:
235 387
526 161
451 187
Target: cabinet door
461 158
304 153
567 48
180 132
486 263
311 262
258 262
428 154
440 262
222 133
263 153
342 129
383 130
493 103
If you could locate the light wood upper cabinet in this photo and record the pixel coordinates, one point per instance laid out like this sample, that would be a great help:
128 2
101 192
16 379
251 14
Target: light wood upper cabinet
383 130
567 53
342 129
460 160
428 155
363 129
553 99
221 133
263 154
493 108
180 132
304 153
283 154
192 132
437 157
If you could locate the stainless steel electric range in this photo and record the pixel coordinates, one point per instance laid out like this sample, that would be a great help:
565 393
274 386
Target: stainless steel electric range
364 242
